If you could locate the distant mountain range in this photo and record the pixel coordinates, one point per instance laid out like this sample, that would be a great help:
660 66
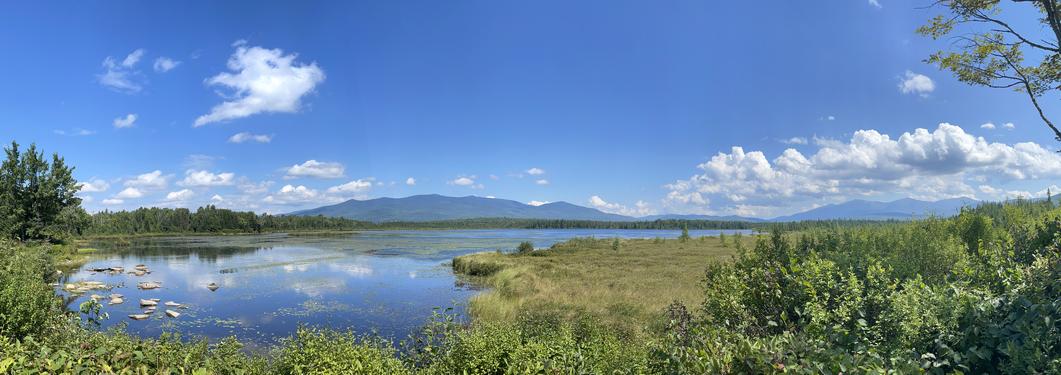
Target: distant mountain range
435 207
438 207
869 210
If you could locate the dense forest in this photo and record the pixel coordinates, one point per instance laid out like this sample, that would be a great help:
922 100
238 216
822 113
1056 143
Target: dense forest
210 219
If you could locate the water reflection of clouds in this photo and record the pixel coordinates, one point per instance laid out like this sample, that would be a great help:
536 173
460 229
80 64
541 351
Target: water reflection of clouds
360 271
318 287
291 268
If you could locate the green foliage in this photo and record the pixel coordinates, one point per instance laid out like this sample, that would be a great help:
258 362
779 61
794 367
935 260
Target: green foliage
935 295
685 233
37 198
525 247
615 244
992 53
314 351
28 305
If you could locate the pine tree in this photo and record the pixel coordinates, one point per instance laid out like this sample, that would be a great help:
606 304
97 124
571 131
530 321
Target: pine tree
685 233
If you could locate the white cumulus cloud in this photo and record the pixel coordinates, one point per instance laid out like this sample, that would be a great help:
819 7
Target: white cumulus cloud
914 83
352 187
196 178
296 195
263 81
153 179
94 186
317 169
129 192
180 195
410 181
468 181
542 182
641 208
537 203
112 201
535 171
921 164
988 126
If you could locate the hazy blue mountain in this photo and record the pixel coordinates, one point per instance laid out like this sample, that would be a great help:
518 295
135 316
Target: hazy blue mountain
699 217
869 210
438 207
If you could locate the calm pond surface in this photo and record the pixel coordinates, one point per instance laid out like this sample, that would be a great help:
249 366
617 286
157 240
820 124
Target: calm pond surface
386 282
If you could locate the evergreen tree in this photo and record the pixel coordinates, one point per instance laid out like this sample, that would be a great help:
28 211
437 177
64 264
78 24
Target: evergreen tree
37 199
685 233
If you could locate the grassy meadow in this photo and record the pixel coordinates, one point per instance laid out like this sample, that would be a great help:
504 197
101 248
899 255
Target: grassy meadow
625 286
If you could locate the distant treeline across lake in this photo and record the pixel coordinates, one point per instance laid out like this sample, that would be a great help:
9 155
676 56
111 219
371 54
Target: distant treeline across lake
210 219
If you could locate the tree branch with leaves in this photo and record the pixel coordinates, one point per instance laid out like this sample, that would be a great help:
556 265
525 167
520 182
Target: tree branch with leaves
989 51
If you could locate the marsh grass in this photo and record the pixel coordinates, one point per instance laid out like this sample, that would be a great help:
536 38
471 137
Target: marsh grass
625 288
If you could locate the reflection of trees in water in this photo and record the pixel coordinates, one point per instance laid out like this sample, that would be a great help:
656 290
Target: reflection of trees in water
205 253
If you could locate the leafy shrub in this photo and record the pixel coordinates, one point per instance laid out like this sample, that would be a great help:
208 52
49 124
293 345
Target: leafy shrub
28 305
525 247
314 351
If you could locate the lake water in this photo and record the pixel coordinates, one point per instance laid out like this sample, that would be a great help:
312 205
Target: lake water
386 282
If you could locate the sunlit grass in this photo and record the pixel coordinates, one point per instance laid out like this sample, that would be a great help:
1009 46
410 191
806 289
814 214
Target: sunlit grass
627 288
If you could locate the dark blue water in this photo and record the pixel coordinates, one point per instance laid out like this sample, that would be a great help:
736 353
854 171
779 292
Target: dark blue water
387 282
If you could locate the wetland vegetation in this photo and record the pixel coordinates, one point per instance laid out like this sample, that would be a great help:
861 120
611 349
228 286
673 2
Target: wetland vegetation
979 292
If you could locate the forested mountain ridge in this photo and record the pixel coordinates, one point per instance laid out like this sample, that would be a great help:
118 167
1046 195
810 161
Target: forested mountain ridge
434 207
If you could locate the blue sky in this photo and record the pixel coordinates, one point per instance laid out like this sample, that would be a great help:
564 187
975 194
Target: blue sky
629 106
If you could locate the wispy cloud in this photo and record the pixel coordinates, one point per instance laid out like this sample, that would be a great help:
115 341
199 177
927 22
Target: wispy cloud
122 76
164 64
248 137
126 121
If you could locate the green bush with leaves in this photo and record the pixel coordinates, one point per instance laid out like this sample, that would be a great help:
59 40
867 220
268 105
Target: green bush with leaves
28 305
